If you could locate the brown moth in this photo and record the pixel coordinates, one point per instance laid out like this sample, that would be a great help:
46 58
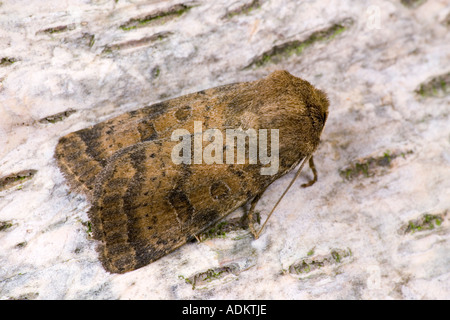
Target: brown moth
144 205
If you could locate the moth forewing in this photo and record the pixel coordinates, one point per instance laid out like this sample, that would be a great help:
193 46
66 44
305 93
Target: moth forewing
146 202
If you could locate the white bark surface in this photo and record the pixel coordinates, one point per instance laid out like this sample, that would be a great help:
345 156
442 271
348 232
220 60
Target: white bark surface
374 226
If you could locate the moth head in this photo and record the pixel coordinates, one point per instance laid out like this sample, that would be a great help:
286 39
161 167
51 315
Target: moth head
321 103
298 90
316 103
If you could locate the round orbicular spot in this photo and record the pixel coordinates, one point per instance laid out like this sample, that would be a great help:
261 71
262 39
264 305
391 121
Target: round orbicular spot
219 190
180 202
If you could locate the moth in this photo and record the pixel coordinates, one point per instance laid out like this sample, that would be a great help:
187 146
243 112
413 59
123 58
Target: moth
144 205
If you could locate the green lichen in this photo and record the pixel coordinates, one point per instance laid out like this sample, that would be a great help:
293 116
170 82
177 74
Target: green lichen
387 157
296 47
412 3
210 275
369 166
218 231
6 61
187 280
14 179
107 50
58 29
26 296
312 263
156 72
305 267
244 9
57 117
425 222
160 16
136 43
5 225
336 256
91 41
446 21
88 226
222 228
438 86
21 244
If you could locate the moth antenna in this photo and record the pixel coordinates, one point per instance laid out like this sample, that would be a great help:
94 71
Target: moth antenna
284 193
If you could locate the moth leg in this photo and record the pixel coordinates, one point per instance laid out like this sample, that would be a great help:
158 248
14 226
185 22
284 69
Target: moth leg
314 171
249 215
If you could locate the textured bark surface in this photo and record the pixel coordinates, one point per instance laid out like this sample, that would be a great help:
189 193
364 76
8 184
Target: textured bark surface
375 224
